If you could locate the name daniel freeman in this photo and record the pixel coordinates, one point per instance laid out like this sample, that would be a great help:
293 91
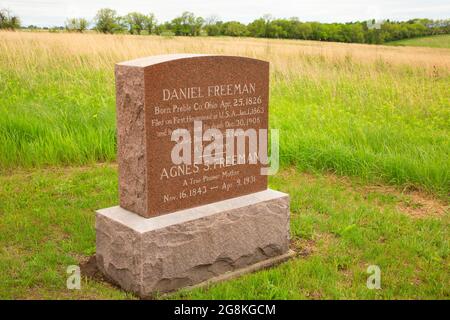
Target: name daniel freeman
210 91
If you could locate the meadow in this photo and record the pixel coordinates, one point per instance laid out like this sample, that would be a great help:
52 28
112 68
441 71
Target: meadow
437 41
364 150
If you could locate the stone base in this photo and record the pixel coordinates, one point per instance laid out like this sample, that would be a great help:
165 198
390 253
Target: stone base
190 247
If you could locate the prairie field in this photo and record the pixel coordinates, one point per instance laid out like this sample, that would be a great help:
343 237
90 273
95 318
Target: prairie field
365 143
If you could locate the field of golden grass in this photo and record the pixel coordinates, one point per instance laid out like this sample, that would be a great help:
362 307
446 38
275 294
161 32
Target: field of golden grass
23 50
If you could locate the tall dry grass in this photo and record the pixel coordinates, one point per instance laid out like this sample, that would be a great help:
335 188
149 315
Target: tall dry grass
28 50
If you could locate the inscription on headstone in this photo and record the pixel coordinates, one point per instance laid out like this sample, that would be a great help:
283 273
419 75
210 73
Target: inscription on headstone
182 120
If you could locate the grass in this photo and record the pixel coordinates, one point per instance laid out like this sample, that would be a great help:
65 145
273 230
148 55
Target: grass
338 227
46 224
438 41
381 113
364 150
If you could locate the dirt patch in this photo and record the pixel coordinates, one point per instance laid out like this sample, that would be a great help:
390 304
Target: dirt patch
307 247
303 247
89 269
419 206
30 172
413 202
408 199
314 295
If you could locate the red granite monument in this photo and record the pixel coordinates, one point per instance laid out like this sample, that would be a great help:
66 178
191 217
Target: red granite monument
157 95
194 204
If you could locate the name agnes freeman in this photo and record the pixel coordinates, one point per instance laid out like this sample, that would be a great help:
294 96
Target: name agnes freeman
210 91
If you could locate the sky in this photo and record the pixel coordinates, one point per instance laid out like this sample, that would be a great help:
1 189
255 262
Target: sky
55 12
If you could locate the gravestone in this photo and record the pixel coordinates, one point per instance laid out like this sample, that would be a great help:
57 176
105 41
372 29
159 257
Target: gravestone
192 155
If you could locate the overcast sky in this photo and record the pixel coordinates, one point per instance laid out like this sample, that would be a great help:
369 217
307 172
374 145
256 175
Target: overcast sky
55 12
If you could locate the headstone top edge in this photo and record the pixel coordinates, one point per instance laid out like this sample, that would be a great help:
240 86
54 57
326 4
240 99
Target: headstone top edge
157 59
141 224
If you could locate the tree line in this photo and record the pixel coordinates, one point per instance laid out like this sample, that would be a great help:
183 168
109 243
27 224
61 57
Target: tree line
187 24
8 20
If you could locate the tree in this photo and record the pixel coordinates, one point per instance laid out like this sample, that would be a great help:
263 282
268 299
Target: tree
234 29
214 29
135 22
150 23
213 26
257 28
164 28
76 24
197 26
187 24
277 28
70 24
8 20
107 21
349 32
302 31
319 31
83 24
181 26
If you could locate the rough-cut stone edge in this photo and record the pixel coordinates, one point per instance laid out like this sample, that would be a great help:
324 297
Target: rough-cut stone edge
122 257
131 145
120 272
141 224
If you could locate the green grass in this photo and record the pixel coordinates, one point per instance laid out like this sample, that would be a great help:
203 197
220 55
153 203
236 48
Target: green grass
438 41
46 224
375 128
379 122
338 227
62 118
